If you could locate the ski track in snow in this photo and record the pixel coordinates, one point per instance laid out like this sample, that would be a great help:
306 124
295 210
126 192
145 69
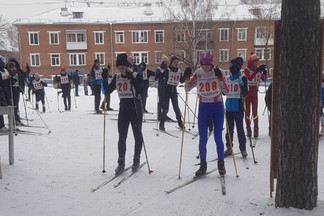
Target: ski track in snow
53 174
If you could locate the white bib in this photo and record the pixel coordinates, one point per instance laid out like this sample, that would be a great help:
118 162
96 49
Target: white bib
37 84
98 73
207 87
64 79
256 80
174 77
234 89
5 74
124 87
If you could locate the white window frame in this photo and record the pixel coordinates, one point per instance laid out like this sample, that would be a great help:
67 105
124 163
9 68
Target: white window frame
104 57
76 32
184 55
77 59
59 59
31 59
155 56
95 37
220 56
155 34
140 57
220 34
50 38
239 33
33 32
118 37
269 59
256 36
244 50
139 32
184 36
116 53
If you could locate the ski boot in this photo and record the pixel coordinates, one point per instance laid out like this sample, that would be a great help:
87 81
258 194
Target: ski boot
256 131
244 154
227 152
136 163
161 126
248 132
221 167
180 124
202 169
121 166
98 112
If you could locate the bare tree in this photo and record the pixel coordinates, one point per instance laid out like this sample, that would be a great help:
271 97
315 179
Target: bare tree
299 106
3 32
193 27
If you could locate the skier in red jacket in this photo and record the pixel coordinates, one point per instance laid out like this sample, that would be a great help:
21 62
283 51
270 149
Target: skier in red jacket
254 74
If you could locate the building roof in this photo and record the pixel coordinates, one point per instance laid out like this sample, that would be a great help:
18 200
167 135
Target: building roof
127 14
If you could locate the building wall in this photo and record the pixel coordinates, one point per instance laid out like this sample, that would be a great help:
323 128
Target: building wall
168 47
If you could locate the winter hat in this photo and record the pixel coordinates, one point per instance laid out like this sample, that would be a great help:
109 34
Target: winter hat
173 58
237 62
142 64
96 61
122 60
63 69
3 59
164 58
206 59
130 59
36 75
253 58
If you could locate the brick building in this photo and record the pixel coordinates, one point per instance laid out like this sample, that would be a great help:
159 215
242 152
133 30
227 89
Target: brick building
74 37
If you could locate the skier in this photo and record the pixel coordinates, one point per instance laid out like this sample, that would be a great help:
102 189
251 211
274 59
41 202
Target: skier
96 77
207 79
29 82
76 81
108 97
237 84
268 101
161 85
172 76
65 80
254 74
146 74
129 88
4 89
38 90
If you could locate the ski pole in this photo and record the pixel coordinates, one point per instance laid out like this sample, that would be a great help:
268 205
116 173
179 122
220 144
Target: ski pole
158 109
187 105
228 132
265 107
40 116
49 108
194 120
104 139
183 129
25 107
140 125
58 100
75 103
188 120
251 145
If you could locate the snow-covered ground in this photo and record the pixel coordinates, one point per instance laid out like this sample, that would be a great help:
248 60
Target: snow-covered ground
53 174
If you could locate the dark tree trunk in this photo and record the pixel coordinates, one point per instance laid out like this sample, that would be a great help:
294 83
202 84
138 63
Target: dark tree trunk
299 104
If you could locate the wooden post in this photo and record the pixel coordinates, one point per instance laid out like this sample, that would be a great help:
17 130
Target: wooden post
275 109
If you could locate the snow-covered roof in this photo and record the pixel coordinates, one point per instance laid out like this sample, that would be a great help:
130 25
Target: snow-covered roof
127 14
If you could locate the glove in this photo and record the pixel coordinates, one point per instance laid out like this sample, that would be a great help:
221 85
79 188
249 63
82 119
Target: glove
261 69
240 82
187 73
265 72
129 75
218 72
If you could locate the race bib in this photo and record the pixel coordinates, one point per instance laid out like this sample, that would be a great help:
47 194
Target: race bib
4 75
234 89
174 78
98 74
37 85
255 81
124 87
145 74
64 79
208 88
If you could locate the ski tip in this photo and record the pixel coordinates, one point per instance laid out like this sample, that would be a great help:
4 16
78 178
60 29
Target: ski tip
255 162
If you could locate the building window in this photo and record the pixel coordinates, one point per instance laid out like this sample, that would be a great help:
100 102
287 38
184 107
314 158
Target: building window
54 38
241 53
223 55
33 38
263 53
55 60
140 57
180 36
119 37
77 59
139 37
76 37
159 36
158 57
242 34
35 59
182 55
99 37
224 34
258 33
100 57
